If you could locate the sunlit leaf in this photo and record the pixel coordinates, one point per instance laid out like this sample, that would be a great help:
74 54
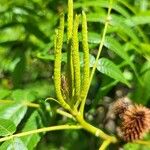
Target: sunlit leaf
14 112
14 144
33 123
7 127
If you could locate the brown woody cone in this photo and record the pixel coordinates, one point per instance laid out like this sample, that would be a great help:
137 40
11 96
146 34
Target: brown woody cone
135 122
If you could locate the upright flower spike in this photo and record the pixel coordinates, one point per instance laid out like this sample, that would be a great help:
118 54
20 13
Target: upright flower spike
70 20
57 63
86 69
75 57
70 72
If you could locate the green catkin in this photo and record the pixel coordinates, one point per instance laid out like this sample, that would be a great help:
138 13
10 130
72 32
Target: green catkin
70 20
86 69
69 71
76 59
57 63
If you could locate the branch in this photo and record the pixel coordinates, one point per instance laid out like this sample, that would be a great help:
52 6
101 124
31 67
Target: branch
95 131
104 145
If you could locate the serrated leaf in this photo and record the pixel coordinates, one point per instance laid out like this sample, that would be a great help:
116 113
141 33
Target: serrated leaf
115 46
107 67
7 127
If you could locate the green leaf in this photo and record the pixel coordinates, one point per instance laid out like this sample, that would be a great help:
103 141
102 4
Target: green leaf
4 93
14 144
51 57
145 50
122 26
23 95
131 146
34 122
105 4
107 67
92 60
118 26
48 57
134 146
17 144
7 127
142 92
14 112
115 46
138 20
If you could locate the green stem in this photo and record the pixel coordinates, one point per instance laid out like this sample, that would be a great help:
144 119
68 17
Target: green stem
28 104
63 113
46 129
95 131
104 145
98 54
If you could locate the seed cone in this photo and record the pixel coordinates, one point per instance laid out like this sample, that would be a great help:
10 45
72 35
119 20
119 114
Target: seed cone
135 122
121 105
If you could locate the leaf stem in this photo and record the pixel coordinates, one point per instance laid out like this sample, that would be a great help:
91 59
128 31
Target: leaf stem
46 129
29 104
63 113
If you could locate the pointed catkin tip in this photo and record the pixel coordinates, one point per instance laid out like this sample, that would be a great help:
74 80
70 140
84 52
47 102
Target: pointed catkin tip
135 123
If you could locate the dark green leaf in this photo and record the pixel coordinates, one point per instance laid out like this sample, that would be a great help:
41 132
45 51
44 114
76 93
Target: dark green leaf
110 69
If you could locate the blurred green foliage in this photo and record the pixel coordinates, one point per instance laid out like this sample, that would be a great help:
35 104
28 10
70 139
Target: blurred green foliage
27 30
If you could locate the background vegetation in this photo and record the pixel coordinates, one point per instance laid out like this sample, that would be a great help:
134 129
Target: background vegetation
27 30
